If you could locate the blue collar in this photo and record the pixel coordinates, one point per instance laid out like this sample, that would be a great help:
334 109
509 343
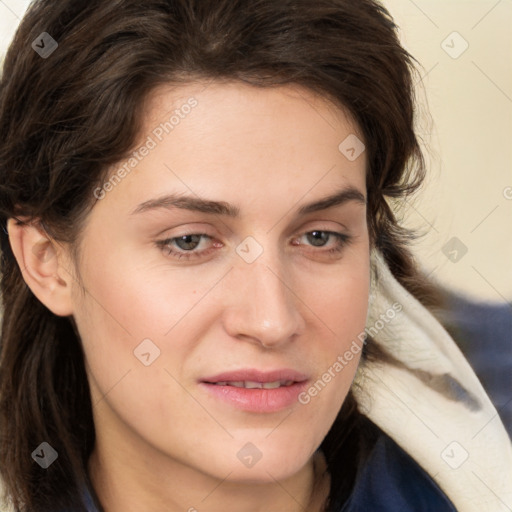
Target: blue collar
391 481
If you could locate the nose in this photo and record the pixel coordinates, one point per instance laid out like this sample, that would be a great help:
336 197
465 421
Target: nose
262 306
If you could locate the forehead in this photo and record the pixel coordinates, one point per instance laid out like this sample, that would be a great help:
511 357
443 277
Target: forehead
233 141
237 104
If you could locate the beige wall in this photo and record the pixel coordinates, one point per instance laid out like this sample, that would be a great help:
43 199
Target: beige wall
469 195
469 192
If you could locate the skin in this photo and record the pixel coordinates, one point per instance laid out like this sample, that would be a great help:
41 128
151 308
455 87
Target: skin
163 443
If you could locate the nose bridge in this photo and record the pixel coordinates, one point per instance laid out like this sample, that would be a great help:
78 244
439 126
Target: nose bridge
264 306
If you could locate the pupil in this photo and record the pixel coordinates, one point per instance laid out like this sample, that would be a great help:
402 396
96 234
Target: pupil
318 238
188 241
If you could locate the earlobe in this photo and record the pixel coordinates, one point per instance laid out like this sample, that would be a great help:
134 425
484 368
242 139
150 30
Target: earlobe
42 264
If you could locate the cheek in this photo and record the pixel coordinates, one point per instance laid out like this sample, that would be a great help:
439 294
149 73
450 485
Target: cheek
134 345
339 300
133 302
114 316
132 315
340 310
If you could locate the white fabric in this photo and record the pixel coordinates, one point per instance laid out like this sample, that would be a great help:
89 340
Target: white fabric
438 432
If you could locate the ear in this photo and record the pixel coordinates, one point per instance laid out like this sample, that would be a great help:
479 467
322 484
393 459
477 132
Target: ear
44 265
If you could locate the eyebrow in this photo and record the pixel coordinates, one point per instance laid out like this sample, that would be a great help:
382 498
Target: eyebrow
170 201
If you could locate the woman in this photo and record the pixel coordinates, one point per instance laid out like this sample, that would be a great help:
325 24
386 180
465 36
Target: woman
208 303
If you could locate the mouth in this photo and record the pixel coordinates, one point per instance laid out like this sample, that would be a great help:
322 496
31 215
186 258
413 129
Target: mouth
255 390
255 385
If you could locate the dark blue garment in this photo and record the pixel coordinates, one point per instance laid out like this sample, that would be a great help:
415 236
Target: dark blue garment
483 330
390 481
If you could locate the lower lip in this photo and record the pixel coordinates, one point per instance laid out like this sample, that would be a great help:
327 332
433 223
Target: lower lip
259 399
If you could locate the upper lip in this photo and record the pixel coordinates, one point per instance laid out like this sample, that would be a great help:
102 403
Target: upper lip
254 375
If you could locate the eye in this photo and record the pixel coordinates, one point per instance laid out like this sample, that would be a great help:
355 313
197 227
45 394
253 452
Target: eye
185 246
321 238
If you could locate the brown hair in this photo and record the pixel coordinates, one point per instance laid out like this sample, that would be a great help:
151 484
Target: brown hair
66 119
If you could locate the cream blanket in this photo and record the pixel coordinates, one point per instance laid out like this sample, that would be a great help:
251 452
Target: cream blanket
458 439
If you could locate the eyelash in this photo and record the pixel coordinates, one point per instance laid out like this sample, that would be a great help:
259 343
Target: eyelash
343 240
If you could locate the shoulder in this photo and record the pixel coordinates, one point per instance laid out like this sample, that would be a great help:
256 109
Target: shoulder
391 481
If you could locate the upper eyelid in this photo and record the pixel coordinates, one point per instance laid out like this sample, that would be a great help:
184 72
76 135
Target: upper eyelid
291 232
168 240
297 233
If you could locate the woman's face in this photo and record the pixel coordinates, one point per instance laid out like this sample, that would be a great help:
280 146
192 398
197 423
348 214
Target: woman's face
220 285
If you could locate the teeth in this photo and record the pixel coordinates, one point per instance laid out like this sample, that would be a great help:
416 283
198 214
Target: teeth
253 385
272 385
249 384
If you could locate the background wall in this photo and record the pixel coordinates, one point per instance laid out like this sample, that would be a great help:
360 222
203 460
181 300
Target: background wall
465 210
465 48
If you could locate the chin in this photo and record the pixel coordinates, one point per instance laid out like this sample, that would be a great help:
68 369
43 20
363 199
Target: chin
268 472
263 458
